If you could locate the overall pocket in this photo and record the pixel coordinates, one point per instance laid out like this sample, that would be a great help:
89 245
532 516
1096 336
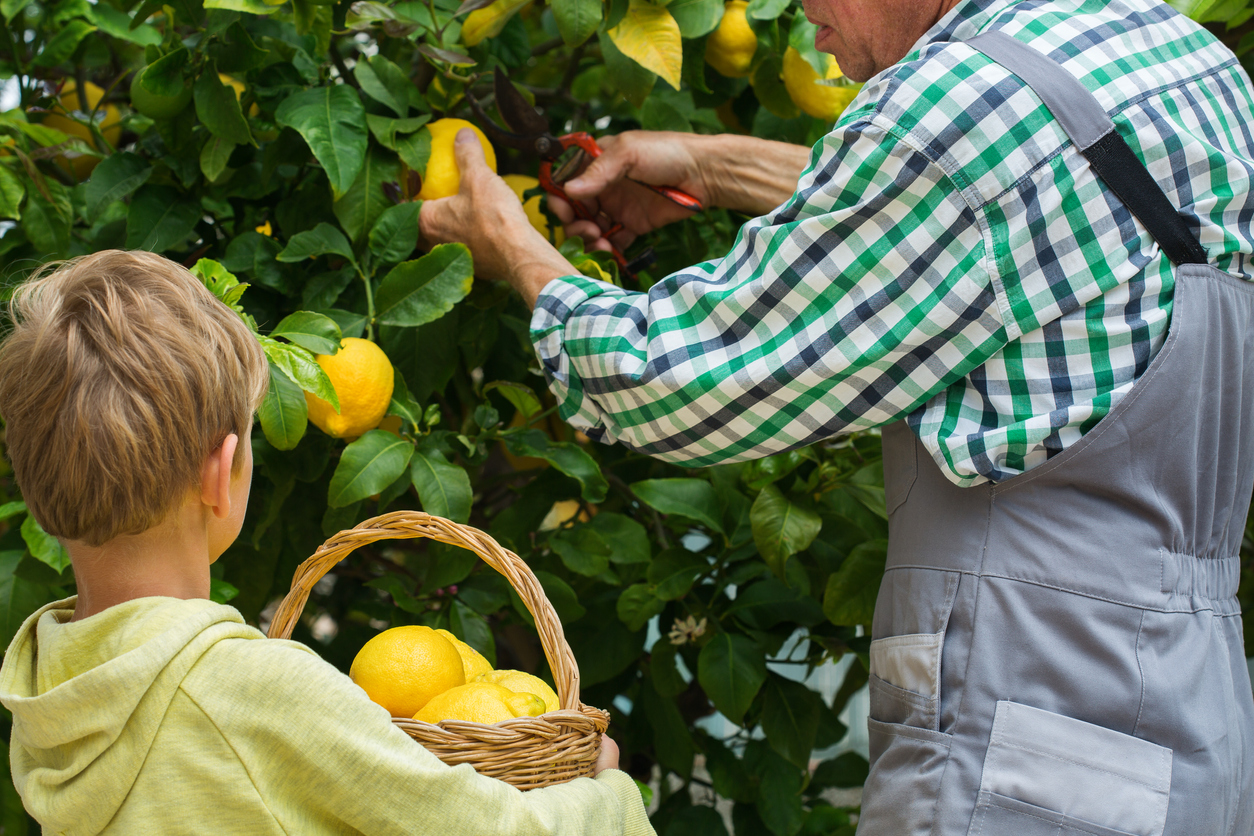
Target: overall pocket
1050 775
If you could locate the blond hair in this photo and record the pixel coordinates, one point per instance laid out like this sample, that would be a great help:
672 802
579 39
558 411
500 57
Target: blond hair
121 374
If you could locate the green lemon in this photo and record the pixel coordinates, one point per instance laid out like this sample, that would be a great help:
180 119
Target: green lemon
154 105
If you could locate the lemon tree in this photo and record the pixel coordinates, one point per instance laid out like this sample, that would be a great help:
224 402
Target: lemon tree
281 150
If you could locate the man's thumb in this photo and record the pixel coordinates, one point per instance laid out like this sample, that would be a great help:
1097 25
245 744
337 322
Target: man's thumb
604 170
467 151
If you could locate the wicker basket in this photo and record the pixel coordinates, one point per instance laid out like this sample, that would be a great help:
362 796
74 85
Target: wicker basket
526 752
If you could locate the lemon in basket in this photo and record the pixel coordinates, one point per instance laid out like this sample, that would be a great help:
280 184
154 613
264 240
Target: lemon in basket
402 669
472 660
480 702
523 683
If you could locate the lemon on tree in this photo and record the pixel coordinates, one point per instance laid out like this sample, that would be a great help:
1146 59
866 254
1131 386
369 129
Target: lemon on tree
443 177
731 46
403 668
521 184
154 105
818 100
362 377
473 662
480 702
108 119
523 683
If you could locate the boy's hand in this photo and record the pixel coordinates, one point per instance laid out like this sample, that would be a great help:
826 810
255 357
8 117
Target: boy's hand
608 759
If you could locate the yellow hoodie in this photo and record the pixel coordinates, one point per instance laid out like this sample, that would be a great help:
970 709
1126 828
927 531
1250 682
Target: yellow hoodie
175 717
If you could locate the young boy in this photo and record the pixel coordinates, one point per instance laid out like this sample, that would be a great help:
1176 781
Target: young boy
140 706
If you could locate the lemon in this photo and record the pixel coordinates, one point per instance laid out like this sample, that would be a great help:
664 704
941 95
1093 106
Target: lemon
480 702
154 105
818 100
472 660
443 177
730 48
521 183
239 88
362 376
564 514
109 119
523 683
402 669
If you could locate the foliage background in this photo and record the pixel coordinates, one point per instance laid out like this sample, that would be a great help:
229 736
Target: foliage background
685 593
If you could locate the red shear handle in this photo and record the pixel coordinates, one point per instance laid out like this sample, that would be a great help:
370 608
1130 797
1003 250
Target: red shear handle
589 146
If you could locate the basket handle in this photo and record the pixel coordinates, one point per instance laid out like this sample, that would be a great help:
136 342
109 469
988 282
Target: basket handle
404 525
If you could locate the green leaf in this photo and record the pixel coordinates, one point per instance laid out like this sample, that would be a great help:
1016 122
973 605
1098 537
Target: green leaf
415 150
252 7
316 332
117 176
12 190
473 629
322 290
395 234
727 772
320 240
766 9
43 546
523 398
283 412
10 8
365 200
333 123
637 605
852 589
222 284
118 24
443 488
160 219
47 223
674 570
781 528
578 19
582 550
769 87
731 670
386 129
628 77
368 465
12 509
218 108
779 798
386 83
790 718
394 586
664 667
298 363
691 498
220 591
166 77
565 456
214 157
422 291
672 740
844 771
403 404
696 17
767 603
63 44
629 542
18 598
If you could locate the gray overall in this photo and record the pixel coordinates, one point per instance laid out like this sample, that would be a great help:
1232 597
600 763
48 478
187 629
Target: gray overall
1061 653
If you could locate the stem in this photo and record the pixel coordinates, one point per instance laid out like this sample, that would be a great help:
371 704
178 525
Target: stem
369 302
345 76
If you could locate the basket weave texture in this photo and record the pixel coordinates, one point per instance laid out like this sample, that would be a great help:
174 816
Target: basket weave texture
526 752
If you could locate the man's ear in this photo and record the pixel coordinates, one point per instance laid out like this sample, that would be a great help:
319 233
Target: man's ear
215 477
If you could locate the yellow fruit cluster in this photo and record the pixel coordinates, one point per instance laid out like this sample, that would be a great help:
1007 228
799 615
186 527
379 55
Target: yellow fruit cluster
431 675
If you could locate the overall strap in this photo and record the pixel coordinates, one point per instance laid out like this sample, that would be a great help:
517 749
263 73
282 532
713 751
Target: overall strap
1095 136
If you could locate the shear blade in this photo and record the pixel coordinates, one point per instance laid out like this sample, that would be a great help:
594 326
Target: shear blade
520 117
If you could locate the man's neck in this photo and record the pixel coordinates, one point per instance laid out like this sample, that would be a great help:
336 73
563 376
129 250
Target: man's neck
169 560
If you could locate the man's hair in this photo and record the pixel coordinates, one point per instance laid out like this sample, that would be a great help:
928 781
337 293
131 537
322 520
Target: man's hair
121 374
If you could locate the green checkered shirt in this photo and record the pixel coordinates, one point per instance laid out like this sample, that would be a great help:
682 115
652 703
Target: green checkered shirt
948 256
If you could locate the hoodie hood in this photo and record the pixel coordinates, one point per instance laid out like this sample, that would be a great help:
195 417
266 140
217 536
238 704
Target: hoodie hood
88 697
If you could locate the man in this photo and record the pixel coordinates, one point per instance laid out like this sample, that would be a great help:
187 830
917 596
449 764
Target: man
976 249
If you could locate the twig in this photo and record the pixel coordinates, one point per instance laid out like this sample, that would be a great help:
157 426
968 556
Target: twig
338 61
546 47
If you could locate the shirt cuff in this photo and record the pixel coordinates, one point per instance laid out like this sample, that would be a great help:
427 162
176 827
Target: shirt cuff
556 304
635 818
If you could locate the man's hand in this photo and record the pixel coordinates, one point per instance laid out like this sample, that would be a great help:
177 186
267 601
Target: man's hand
660 158
487 217
735 172
608 757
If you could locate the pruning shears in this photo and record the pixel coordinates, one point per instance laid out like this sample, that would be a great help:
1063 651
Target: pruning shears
562 158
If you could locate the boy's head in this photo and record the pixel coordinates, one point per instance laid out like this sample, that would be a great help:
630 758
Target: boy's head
121 375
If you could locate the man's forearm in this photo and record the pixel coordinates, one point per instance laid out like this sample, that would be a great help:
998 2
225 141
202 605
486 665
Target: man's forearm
748 174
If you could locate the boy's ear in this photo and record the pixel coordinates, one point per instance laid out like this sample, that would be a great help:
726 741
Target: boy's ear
215 477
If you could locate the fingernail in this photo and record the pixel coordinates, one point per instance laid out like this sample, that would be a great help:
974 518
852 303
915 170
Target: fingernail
465 135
